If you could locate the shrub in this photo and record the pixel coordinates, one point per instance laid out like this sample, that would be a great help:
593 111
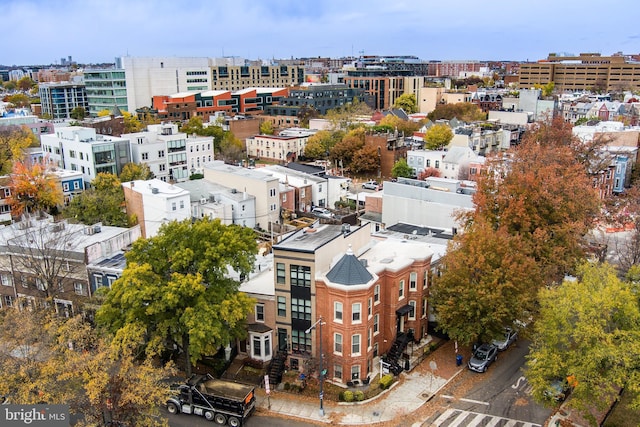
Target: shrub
348 396
358 395
287 386
341 396
386 381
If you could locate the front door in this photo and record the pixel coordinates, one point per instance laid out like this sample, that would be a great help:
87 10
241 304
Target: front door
282 339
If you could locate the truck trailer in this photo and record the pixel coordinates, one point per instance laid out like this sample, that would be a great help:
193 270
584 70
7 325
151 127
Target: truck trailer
220 401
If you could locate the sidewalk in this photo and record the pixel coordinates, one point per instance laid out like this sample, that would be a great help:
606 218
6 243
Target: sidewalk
410 391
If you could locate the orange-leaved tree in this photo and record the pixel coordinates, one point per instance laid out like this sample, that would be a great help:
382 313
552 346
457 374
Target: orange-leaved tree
33 189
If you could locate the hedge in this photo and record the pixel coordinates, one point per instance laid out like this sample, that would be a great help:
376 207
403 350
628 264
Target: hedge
386 381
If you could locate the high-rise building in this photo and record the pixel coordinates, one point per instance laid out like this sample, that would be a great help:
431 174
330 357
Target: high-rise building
106 89
587 71
58 100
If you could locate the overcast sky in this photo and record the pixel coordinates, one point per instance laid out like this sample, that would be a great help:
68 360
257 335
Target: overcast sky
93 31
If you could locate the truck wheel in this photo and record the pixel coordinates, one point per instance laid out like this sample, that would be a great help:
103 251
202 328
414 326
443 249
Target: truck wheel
234 422
220 419
208 415
172 408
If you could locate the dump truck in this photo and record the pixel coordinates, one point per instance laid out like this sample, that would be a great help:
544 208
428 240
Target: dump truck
220 401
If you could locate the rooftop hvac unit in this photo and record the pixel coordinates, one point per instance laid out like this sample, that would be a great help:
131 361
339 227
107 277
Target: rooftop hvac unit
154 190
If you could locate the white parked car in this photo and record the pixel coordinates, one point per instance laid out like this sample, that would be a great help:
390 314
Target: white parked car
510 335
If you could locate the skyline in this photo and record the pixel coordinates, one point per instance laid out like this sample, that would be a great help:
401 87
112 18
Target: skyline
93 31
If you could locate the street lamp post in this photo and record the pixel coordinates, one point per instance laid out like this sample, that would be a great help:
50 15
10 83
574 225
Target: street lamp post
321 371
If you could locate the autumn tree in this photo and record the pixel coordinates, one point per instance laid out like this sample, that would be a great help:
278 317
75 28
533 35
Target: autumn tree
345 117
345 150
266 128
402 169
54 360
131 123
366 160
26 83
543 226
176 288
33 189
485 284
78 113
395 123
19 100
306 113
135 171
465 111
13 142
426 173
45 257
231 147
103 202
589 331
408 102
320 143
438 137
555 216
104 113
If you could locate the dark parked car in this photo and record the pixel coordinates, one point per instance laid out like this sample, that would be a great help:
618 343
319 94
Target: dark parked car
558 390
510 335
482 357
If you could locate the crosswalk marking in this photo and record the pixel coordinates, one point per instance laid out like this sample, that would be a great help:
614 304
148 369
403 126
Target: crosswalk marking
460 418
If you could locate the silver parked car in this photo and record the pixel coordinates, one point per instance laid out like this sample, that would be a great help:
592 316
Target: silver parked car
482 357
371 185
510 335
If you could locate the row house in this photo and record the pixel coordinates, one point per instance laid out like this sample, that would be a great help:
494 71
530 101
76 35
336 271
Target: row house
81 149
278 148
453 163
213 200
155 202
263 186
172 156
70 249
310 190
367 294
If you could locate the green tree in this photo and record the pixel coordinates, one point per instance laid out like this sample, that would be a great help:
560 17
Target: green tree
266 128
103 202
193 127
135 171
408 102
78 113
176 288
402 169
56 360
589 331
438 137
